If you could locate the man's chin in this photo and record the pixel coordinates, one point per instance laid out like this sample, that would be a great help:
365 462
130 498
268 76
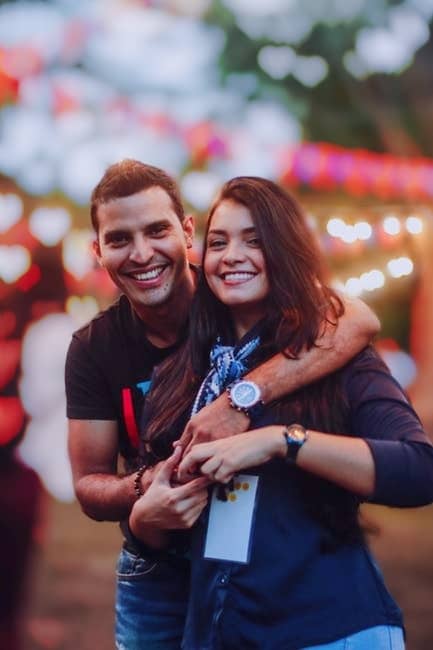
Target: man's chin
152 299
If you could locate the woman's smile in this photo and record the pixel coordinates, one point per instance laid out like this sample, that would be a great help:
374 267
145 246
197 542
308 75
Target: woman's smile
237 277
234 263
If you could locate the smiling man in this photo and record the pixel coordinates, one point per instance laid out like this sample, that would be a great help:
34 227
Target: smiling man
142 237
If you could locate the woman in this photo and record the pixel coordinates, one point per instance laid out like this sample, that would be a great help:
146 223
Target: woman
300 574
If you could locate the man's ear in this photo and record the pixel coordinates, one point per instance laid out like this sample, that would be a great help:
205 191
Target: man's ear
97 251
188 228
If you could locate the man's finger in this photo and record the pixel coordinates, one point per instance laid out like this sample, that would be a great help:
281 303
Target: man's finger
187 489
194 440
197 500
186 437
164 473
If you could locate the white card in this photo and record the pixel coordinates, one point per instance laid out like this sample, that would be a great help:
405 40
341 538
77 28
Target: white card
231 522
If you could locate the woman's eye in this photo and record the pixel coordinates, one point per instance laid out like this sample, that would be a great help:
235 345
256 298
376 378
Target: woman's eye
216 243
254 241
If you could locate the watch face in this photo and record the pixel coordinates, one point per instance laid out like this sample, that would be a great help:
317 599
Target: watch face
297 433
245 394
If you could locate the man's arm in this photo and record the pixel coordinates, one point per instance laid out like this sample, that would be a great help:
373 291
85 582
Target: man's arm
105 496
93 449
280 376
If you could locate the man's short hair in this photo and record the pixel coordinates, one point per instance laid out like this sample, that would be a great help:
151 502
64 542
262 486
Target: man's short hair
128 177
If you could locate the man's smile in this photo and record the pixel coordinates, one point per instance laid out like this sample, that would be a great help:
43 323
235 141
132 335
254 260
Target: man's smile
150 274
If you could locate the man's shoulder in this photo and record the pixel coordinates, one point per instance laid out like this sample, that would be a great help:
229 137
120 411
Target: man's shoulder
108 322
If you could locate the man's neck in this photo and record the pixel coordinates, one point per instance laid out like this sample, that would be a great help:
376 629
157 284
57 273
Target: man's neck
164 324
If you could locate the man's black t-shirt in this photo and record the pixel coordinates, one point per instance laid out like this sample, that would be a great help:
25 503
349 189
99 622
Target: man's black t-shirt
108 370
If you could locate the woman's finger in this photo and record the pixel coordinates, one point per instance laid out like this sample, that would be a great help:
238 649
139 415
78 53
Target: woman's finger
195 457
211 466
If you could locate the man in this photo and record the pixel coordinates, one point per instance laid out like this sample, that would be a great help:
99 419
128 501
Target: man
142 239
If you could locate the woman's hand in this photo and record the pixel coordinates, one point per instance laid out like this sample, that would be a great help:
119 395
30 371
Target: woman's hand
221 459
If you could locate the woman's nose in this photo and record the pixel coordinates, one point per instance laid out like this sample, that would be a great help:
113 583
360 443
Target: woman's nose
233 253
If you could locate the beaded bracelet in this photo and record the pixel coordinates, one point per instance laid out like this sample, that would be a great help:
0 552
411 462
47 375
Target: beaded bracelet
137 481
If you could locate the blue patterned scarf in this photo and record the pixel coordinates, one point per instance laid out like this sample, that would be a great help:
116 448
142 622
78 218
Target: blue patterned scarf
228 363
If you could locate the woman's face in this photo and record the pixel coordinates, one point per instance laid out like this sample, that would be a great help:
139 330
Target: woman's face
234 264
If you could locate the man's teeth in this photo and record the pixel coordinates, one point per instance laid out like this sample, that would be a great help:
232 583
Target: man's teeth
234 277
149 275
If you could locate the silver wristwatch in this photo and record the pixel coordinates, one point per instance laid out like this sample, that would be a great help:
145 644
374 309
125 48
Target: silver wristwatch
246 396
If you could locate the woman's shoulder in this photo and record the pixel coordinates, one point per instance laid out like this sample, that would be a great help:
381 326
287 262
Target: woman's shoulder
367 377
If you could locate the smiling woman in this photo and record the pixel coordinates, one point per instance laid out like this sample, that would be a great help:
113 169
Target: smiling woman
234 264
310 457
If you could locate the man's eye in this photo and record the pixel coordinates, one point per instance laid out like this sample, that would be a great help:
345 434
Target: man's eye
117 240
158 231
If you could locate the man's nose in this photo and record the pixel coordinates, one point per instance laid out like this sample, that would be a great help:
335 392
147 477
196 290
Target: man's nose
141 251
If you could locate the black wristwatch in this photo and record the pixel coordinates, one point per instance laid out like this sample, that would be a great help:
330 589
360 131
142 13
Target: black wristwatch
295 435
246 396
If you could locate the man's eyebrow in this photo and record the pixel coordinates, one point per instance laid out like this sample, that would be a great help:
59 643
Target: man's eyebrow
110 235
157 224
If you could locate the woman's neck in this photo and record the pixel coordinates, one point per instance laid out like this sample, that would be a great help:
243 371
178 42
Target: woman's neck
244 319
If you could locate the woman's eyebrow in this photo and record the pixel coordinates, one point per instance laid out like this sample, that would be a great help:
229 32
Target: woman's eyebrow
214 231
246 231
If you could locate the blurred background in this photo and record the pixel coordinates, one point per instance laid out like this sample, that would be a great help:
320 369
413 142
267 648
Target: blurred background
331 98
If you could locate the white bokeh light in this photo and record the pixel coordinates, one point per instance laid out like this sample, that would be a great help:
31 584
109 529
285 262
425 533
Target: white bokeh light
414 225
310 70
11 209
77 255
199 188
371 280
336 227
14 262
277 62
399 267
391 225
363 230
353 287
49 225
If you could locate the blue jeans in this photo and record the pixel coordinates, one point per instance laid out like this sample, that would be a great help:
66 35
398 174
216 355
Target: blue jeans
151 601
381 637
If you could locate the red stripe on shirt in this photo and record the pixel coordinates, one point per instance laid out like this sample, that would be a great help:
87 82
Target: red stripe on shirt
129 417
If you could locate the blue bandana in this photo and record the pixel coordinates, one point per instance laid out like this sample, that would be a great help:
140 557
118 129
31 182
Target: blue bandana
227 364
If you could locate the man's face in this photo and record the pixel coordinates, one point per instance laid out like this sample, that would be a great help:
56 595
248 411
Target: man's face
143 246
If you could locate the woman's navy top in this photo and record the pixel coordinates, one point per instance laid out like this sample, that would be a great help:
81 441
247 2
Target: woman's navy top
295 591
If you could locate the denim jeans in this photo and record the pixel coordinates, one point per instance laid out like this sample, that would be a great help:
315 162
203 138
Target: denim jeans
151 600
381 637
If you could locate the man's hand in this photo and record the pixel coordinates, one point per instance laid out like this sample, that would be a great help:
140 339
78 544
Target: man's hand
214 421
164 507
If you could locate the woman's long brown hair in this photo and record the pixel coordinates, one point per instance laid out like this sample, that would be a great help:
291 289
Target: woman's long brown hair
299 301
